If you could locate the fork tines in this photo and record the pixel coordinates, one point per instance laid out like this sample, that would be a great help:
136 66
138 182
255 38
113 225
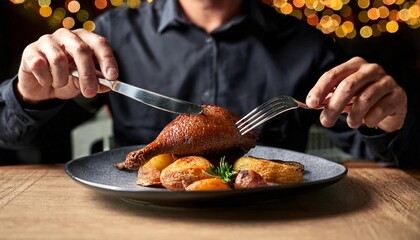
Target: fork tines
265 112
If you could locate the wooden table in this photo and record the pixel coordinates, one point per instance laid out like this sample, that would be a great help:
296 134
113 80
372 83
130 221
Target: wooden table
42 202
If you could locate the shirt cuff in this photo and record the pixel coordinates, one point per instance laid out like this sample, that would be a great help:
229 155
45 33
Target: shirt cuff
29 114
380 143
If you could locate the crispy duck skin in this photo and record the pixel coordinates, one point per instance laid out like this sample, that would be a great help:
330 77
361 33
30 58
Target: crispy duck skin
211 133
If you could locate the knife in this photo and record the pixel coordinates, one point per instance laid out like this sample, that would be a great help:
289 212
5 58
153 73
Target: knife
150 98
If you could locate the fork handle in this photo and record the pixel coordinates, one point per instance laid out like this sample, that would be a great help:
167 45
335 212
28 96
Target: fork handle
325 103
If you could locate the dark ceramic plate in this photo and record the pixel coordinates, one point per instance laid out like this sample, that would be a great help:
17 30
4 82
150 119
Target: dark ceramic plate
97 172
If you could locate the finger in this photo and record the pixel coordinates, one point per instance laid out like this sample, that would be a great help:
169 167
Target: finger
57 60
82 55
103 89
370 98
376 113
35 64
330 79
389 113
76 84
103 53
344 93
349 87
75 81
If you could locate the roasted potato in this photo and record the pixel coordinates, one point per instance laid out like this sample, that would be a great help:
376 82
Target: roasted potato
280 172
249 179
183 172
149 173
208 185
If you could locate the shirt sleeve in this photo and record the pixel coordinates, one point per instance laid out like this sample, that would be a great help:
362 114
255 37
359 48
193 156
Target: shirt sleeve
398 148
405 146
388 149
21 127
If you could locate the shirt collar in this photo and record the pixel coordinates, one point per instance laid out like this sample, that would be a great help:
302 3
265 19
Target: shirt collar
171 15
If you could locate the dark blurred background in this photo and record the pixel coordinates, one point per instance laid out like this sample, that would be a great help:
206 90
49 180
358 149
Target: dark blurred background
23 22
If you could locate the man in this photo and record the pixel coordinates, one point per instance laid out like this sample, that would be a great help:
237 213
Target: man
233 53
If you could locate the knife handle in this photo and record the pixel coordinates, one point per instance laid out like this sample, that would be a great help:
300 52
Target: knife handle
106 82
103 81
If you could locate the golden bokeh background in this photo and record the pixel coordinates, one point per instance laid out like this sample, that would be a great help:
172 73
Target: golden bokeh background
340 18
383 31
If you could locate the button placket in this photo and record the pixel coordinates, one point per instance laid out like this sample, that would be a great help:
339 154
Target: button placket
210 93
209 39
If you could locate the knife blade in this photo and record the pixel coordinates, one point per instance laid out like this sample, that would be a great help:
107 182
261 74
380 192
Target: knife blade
150 98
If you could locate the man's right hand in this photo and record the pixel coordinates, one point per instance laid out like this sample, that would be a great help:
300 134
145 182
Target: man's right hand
46 63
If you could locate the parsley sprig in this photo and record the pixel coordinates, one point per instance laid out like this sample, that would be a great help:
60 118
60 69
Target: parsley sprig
224 171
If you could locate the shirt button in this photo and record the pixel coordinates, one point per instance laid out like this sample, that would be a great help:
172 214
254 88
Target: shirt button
206 95
209 40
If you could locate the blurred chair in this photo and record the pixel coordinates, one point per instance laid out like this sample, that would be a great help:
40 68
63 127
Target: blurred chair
319 144
92 136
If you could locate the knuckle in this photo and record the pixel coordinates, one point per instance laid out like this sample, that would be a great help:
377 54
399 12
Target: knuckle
390 81
372 120
377 68
351 123
381 111
35 62
58 59
61 31
45 38
353 120
59 84
80 31
365 99
373 68
347 86
400 91
36 65
82 48
331 74
86 76
369 122
358 59
101 40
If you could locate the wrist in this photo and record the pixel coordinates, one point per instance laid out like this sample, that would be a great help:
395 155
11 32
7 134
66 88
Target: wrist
28 103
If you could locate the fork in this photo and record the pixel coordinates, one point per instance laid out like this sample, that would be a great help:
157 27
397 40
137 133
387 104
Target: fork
271 109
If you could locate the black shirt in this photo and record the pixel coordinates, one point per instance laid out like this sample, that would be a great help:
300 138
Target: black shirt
257 55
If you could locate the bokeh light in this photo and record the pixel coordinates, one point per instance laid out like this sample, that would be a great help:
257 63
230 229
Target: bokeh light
45 11
338 18
350 19
68 22
89 25
363 4
73 6
117 3
101 4
133 3
44 3
392 26
82 15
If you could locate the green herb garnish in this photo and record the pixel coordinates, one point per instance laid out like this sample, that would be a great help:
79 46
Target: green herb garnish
224 171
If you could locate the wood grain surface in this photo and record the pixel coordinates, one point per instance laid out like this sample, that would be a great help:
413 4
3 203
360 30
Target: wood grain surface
42 202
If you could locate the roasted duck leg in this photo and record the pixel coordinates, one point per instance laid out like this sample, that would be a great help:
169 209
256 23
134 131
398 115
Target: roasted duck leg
211 134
